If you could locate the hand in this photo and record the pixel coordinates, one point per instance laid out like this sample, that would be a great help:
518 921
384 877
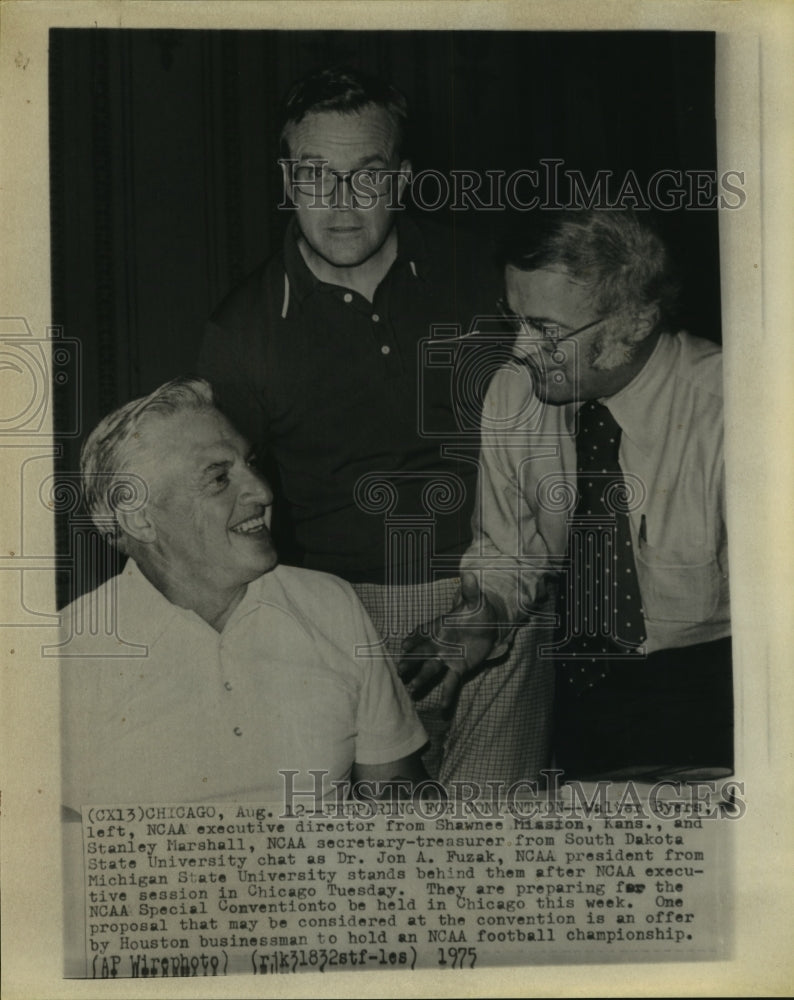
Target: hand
444 651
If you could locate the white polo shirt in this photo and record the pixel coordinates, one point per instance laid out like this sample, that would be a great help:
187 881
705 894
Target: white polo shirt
166 709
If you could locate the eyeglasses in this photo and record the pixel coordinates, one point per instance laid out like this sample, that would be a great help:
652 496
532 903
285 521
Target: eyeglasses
550 331
317 179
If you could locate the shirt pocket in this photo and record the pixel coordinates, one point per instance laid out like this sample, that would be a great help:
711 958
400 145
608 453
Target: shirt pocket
677 591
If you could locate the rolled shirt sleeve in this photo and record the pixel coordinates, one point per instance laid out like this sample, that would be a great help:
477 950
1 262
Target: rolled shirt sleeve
514 537
388 727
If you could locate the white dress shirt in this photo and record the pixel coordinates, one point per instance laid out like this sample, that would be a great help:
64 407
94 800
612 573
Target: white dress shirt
671 447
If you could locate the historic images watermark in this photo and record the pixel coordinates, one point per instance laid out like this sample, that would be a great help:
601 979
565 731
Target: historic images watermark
547 798
549 185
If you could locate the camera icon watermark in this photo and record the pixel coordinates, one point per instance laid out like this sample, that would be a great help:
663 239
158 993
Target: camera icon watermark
460 366
32 369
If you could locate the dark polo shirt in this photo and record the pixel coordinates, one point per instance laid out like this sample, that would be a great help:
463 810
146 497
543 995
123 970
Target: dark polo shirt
335 387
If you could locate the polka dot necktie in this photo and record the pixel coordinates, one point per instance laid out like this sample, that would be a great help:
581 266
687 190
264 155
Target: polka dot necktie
601 609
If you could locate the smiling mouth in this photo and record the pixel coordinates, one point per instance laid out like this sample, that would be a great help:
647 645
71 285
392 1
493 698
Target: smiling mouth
250 527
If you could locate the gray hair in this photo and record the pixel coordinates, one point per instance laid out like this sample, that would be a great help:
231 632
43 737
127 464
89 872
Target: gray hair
619 257
108 483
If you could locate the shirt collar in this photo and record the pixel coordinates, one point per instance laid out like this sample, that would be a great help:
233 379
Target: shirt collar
412 246
301 282
641 408
149 608
152 609
140 601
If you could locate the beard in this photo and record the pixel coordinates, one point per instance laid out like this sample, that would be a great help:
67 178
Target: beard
609 351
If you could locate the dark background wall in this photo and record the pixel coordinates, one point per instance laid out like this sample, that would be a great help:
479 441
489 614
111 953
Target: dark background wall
165 182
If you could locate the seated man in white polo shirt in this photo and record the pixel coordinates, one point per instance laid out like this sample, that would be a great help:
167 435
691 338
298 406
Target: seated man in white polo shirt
245 668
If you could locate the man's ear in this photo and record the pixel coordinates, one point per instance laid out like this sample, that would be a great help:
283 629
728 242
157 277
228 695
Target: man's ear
287 166
137 524
403 178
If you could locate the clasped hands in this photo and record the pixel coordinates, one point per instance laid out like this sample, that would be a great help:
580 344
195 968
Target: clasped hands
444 651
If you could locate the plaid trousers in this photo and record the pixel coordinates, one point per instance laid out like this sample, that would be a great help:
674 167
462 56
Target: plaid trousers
500 728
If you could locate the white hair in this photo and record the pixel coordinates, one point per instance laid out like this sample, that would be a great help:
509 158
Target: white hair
108 482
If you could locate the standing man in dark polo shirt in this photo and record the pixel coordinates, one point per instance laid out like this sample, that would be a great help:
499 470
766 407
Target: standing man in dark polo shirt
316 357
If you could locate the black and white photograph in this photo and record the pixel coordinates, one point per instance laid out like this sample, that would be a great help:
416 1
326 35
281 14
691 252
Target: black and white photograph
391 499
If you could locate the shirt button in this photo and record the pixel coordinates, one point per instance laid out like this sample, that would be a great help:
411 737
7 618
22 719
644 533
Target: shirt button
385 349
227 685
375 318
348 297
238 731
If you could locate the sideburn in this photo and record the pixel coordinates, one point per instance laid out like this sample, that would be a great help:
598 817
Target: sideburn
609 350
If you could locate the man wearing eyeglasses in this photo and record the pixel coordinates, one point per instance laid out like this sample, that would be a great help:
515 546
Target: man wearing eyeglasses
316 358
602 458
